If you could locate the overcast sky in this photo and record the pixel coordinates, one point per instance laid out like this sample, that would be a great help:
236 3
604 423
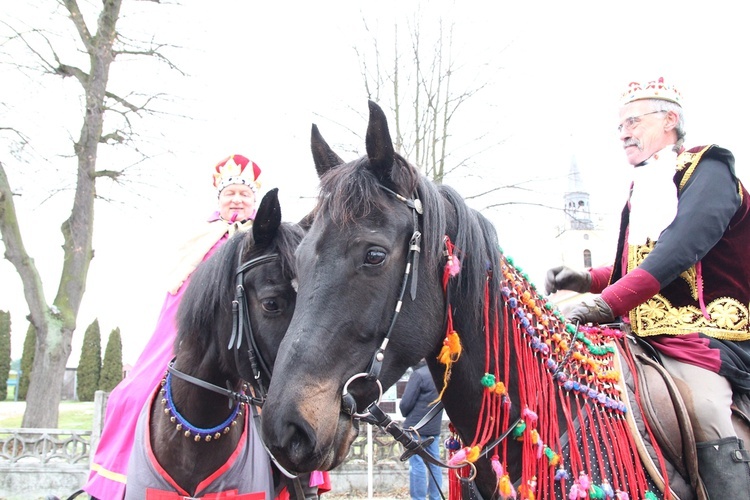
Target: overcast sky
260 73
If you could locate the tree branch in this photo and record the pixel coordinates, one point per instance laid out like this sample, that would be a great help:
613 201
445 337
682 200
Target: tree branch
15 252
80 24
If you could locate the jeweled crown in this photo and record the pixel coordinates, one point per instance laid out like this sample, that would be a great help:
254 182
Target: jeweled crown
655 89
236 169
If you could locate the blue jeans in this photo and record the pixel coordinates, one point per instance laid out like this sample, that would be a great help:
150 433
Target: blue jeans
420 480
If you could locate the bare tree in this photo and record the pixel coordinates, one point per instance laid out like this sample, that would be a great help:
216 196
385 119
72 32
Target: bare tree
55 322
419 88
434 88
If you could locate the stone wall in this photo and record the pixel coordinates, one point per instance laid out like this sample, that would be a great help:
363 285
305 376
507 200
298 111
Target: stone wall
35 463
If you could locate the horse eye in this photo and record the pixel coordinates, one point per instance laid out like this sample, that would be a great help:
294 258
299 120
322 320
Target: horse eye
270 305
375 257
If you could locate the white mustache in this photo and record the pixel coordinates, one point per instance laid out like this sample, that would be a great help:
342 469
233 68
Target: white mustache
632 142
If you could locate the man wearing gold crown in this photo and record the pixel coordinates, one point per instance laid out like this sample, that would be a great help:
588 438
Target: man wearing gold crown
681 277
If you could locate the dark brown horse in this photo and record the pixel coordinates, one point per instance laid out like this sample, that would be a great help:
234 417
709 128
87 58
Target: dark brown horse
395 268
231 320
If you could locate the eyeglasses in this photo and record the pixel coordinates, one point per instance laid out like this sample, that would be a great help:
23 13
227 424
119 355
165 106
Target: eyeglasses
631 121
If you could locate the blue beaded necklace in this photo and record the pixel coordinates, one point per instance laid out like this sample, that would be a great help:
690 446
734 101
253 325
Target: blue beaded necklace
181 423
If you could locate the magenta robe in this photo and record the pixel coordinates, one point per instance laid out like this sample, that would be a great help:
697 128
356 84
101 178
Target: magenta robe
109 466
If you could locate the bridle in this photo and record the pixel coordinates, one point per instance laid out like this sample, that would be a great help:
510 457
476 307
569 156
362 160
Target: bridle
241 328
373 413
348 402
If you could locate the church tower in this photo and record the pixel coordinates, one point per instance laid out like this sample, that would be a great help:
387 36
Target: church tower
577 210
581 242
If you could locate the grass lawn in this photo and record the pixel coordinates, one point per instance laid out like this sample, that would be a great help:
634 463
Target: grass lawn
73 415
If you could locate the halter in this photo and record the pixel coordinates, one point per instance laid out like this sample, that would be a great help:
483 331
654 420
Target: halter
348 403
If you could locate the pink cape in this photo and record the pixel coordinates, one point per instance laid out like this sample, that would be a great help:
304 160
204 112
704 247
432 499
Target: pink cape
109 466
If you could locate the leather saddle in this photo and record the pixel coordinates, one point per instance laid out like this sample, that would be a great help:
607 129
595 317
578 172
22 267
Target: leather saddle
665 413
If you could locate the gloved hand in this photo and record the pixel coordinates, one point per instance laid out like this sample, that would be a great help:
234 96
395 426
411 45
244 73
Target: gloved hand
594 310
565 278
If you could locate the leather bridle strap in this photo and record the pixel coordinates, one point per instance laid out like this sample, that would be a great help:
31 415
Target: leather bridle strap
348 402
377 416
412 266
242 327
233 396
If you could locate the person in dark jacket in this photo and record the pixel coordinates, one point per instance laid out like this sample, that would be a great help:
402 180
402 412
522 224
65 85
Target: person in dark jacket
419 396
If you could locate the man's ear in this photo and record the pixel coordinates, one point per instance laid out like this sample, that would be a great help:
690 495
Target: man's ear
671 121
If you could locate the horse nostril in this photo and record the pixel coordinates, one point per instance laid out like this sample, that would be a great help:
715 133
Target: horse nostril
297 443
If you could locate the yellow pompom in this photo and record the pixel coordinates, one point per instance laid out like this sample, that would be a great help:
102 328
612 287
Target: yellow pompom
473 454
534 436
445 355
449 354
504 486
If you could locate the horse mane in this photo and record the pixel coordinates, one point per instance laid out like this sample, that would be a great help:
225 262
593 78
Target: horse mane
476 245
211 291
351 191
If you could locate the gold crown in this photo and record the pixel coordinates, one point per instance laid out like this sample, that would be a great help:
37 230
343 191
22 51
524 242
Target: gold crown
234 170
655 89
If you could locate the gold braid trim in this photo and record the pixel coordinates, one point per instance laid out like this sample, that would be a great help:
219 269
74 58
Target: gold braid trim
636 254
657 316
689 161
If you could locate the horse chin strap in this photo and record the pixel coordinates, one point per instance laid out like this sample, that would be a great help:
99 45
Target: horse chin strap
348 403
242 327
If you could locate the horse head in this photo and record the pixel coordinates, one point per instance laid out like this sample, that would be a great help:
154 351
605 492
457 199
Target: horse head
231 319
239 303
362 267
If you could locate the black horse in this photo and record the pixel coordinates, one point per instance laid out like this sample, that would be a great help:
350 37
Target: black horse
395 268
230 323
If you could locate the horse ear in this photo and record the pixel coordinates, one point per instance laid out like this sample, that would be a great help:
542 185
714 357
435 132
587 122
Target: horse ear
267 218
323 156
379 144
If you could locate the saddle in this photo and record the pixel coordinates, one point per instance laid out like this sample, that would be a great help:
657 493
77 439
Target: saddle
665 413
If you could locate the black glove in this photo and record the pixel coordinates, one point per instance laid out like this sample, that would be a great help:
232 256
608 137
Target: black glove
565 278
594 310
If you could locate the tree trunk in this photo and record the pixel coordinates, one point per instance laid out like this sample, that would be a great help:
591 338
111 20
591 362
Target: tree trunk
45 387
56 325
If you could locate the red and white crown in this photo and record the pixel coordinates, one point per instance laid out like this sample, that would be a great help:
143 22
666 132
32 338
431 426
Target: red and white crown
234 170
656 89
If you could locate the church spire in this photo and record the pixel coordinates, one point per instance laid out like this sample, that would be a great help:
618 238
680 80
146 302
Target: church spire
577 211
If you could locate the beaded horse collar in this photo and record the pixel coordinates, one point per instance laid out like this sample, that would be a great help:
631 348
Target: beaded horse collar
181 423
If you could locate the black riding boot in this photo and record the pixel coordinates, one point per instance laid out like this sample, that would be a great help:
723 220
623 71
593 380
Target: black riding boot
725 468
